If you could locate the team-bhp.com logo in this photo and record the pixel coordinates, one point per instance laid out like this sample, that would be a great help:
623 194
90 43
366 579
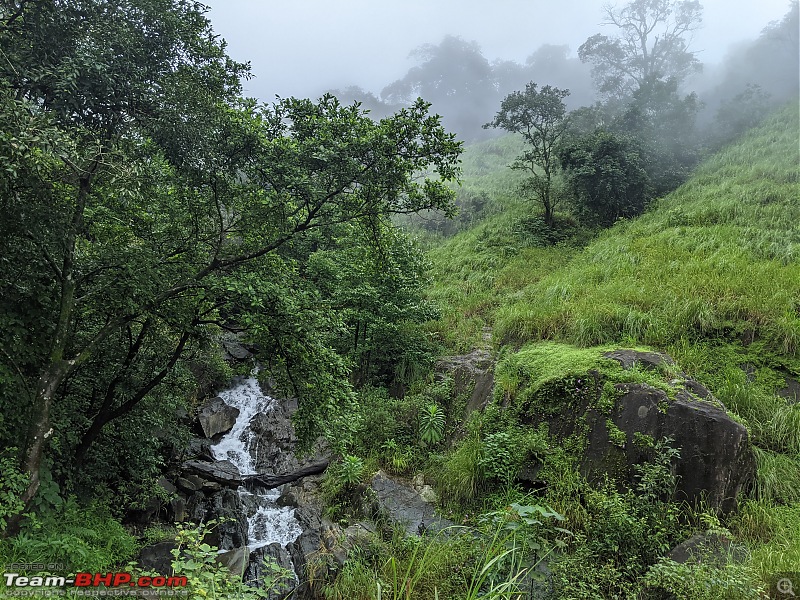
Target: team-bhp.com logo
86 580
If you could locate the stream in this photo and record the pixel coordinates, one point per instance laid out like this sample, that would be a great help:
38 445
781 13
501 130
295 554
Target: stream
267 522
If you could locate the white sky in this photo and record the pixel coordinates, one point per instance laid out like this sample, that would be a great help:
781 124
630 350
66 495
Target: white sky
303 47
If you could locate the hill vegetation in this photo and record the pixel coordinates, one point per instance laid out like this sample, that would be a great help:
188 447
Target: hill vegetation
145 223
710 275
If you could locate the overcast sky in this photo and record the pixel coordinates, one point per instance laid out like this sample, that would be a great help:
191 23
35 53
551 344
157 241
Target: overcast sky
304 47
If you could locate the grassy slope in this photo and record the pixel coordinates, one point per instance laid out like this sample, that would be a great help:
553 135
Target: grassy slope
711 274
479 270
720 255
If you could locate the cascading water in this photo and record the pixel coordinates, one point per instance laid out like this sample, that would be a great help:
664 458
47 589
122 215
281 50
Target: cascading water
267 522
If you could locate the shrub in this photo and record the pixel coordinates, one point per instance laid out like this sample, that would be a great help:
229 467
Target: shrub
431 424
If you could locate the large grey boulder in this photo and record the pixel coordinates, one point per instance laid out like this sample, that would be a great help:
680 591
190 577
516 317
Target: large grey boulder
216 417
620 426
403 505
275 441
716 461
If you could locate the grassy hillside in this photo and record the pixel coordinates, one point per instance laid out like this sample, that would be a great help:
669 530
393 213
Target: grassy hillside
718 257
710 274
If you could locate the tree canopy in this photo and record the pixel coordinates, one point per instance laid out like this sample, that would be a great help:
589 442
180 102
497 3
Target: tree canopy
539 116
147 206
651 45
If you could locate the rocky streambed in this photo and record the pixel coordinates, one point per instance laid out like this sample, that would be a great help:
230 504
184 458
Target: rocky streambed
244 470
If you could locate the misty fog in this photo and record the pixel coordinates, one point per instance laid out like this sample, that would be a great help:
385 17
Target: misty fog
463 80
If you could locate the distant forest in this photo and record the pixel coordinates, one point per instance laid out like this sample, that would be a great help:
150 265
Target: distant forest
466 88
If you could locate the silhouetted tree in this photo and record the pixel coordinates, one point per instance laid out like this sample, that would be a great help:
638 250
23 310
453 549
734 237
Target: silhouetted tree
455 78
651 46
539 116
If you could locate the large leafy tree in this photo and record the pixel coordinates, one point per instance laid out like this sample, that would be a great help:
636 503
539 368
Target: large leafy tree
605 175
145 205
652 44
540 117
456 78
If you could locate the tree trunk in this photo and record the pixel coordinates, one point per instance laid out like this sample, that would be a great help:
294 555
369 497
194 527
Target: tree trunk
49 382
273 481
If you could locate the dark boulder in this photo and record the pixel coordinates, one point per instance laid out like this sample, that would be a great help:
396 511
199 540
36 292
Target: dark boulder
621 422
273 563
232 533
716 461
708 548
216 417
235 560
157 557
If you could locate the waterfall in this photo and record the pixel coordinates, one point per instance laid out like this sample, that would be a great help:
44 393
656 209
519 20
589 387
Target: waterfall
267 522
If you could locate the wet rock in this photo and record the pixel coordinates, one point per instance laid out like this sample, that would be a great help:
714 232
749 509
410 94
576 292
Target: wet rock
200 448
472 373
232 533
234 347
276 440
235 559
223 472
403 505
217 418
716 461
651 361
157 557
177 509
273 563
307 552
189 484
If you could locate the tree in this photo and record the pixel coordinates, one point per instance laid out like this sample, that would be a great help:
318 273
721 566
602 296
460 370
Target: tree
455 78
663 123
605 175
539 116
144 203
651 46
742 112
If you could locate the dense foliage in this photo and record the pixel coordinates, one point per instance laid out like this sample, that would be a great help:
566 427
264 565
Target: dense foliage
149 211
147 207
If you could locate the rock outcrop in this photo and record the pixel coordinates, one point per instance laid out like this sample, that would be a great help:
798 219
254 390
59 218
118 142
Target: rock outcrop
217 418
405 506
472 373
716 460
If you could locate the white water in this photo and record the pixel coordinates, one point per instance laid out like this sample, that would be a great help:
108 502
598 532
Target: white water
267 522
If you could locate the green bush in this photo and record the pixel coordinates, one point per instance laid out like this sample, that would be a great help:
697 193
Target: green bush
702 581
86 538
12 484
208 579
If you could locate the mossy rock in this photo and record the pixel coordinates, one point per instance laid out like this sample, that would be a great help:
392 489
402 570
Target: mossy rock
603 399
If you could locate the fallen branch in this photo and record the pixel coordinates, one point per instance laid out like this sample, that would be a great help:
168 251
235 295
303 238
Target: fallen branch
266 481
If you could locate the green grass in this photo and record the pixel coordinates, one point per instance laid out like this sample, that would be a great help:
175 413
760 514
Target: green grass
479 271
772 533
719 256
710 275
